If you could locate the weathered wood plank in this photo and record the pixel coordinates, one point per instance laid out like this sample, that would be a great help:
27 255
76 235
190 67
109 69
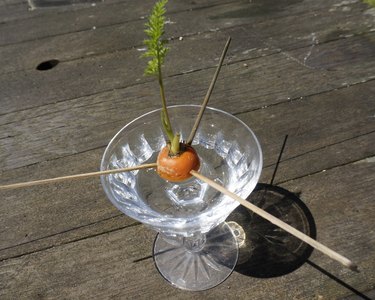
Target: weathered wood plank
317 160
103 266
88 40
50 233
10 2
143 107
11 12
121 17
313 124
116 249
67 22
320 137
347 205
18 10
71 235
309 64
105 12
111 71
368 294
329 68
121 37
38 213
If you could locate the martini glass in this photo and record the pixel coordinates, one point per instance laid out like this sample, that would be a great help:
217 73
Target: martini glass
194 249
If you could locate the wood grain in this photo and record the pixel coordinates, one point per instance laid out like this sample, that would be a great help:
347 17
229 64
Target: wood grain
312 146
73 177
106 111
103 265
281 224
78 17
302 68
258 33
129 13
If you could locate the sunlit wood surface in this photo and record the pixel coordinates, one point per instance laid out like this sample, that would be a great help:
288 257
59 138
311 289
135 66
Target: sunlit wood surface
302 68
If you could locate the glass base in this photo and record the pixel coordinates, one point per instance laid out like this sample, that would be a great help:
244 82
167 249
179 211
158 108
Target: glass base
197 263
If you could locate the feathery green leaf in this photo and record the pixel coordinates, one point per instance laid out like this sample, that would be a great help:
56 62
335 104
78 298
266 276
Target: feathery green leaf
156 49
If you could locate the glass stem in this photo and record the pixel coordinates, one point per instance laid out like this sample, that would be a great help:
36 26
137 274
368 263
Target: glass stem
195 243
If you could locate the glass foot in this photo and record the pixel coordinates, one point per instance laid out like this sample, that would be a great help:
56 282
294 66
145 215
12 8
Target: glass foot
197 263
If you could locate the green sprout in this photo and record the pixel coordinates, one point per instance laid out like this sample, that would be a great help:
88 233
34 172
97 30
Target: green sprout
370 2
157 50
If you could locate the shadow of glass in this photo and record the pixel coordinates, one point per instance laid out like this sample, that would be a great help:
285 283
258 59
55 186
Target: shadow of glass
265 249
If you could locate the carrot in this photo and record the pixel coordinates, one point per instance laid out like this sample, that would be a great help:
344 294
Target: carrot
177 167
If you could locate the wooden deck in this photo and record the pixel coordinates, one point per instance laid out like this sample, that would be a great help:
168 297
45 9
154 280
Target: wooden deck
302 68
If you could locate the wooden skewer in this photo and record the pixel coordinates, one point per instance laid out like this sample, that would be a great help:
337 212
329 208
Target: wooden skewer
74 177
322 248
209 92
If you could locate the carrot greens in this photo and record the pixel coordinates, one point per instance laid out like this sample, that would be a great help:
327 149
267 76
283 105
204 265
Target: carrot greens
156 51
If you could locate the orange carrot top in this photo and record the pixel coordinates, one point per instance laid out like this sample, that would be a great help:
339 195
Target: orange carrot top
177 167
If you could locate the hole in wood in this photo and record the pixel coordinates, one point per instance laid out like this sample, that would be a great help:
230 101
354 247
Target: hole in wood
47 65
